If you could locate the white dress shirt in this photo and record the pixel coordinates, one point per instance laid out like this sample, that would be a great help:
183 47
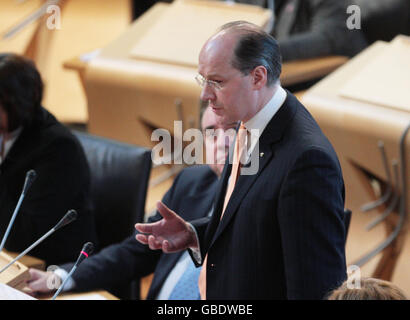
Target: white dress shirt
257 124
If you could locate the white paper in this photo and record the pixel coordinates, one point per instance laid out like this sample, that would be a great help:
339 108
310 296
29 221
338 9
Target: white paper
91 296
9 293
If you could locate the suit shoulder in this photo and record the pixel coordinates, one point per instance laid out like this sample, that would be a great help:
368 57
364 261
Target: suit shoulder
48 129
197 172
195 180
308 130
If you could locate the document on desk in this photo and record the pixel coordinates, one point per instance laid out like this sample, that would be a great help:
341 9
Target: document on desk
178 36
385 80
9 293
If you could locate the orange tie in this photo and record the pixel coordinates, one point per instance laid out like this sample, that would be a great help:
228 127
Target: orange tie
238 151
240 144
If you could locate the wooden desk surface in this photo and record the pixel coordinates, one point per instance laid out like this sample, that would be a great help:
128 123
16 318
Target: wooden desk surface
116 56
293 72
158 86
75 64
11 14
85 26
28 261
16 274
355 128
91 295
299 71
9 293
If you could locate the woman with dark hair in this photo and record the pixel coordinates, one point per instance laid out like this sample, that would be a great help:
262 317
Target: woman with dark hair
21 90
32 138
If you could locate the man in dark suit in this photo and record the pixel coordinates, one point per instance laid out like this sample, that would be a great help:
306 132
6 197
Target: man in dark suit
33 139
191 194
312 28
280 233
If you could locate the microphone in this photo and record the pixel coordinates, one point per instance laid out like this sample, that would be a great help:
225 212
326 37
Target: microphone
87 249
30 177
70 216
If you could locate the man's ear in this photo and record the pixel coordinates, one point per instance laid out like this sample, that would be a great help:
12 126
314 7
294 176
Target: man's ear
259 77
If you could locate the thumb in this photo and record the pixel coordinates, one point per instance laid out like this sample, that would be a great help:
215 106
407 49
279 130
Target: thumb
34 274
39 280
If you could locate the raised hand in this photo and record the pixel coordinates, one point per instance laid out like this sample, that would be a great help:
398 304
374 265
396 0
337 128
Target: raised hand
171 234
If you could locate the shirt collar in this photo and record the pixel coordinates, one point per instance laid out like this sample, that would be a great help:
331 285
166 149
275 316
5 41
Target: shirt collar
257 124
260 120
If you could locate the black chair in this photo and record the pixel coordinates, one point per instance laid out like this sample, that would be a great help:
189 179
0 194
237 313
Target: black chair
119 182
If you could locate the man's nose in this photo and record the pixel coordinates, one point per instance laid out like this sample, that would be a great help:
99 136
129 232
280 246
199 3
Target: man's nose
207 93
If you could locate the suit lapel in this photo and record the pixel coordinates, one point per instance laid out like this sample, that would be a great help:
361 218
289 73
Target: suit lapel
269 138
243 184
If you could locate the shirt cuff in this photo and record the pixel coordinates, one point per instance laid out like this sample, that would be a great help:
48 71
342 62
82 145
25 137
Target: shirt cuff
62 274
196 251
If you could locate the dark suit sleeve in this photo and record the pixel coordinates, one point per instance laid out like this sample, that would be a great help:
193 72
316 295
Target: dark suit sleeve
62 184
115 265
311 224
327 35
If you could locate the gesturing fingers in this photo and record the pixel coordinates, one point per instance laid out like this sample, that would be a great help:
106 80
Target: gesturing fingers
142 238
144 227
153 243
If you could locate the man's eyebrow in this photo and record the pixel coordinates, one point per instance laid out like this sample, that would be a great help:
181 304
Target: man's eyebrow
215 75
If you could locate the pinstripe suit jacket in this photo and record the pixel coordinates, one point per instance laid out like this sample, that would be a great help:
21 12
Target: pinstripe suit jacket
282 235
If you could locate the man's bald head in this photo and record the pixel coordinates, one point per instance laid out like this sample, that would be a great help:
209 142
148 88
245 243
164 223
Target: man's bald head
240 67
249 46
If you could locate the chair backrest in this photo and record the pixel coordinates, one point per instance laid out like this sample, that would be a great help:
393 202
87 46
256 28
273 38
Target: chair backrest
119 181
